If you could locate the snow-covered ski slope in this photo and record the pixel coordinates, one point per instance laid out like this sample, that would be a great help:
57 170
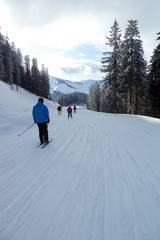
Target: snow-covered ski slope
99 179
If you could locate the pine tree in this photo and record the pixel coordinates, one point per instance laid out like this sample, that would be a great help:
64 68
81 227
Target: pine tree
47 84
16 65
21 66
8 64
1 57
44 85
93 101
133 69
35 77
14 71
27 82
90 98
103 102
154 82
111 67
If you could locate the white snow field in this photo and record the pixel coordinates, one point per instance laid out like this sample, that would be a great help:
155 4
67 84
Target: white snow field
99 179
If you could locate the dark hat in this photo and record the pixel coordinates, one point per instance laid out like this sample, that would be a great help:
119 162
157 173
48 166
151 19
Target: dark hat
40 100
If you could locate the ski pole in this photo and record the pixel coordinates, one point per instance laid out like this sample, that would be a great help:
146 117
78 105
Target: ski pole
26 129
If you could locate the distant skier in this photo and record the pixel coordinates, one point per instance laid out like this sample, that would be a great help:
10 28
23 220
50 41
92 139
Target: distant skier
59 109
74 108
69 110
41 117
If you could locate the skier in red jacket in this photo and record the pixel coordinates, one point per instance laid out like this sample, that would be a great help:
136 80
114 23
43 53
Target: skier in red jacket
69 110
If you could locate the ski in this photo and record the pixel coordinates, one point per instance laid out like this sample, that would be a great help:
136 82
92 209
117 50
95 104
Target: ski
40 144
45 144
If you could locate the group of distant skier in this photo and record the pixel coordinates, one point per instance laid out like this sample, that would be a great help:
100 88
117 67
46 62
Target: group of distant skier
69 110
41 117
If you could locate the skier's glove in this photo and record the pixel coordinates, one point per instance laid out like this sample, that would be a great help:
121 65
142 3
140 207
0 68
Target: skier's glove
34 121
48 121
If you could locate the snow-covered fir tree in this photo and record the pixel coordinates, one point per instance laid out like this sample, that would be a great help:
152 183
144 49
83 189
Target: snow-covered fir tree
16 65
44 86
154 82
20 64
35 77
133 70
1 57
111 67
94 97
8 64
27 82
13 70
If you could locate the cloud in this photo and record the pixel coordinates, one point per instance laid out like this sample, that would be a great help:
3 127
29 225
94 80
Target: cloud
50 30
82 54
43 12
65 33
5 19
69 23
82 67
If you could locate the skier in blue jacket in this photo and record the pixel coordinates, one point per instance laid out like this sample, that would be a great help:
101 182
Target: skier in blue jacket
41 117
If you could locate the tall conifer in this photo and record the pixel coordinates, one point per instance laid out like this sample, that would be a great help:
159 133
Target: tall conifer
110 65
154 82
133 69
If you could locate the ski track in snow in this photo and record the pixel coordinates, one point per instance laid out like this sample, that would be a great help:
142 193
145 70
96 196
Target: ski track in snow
97 180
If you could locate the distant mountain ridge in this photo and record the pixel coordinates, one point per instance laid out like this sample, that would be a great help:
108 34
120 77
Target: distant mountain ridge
60 86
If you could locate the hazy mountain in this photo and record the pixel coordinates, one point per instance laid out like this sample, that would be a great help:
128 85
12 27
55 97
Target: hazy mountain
60 86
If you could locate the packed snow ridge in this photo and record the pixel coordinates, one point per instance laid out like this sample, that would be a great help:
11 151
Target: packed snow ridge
99 179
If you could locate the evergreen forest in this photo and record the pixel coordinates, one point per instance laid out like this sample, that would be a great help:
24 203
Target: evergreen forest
129 84
14 69
76 98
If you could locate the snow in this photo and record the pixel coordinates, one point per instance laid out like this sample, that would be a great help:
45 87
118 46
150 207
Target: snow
66 86
99 179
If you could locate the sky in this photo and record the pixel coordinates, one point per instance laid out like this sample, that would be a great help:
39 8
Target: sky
69 37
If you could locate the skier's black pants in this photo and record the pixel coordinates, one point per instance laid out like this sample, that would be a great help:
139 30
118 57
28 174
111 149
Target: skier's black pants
43 131
69 114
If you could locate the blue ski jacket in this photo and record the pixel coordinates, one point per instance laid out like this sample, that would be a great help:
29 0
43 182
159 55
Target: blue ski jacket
40 113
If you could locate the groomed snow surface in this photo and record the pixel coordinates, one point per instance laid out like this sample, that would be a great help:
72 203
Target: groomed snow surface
99 179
